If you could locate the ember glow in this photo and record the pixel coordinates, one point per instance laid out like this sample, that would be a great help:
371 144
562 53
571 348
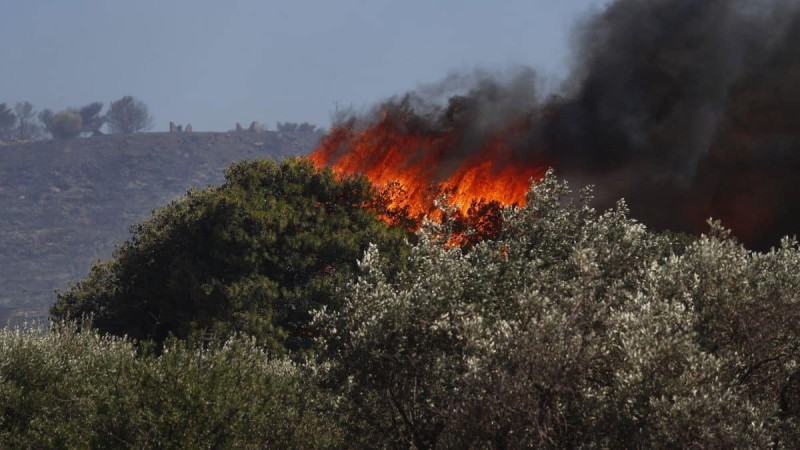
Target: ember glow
420 166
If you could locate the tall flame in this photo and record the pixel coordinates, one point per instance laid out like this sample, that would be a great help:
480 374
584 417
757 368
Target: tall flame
424 164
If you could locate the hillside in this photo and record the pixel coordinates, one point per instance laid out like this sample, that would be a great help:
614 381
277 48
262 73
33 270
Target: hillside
66 203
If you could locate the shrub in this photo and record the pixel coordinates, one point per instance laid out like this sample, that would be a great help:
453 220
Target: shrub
65 124
65 388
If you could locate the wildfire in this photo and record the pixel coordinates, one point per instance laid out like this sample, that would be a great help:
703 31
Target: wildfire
420 164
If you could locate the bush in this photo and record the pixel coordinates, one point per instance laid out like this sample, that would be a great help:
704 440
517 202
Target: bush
252 256
65 388
571 329
65 124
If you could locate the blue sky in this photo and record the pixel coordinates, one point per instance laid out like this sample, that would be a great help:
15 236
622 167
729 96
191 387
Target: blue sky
215 63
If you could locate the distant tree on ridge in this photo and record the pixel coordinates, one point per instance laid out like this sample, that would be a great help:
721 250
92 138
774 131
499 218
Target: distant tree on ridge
27 128
128 115
294 127
7 120
66 124
91 117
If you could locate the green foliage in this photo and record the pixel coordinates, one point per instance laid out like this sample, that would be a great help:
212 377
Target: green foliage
572 329
253 256
64 388
65 124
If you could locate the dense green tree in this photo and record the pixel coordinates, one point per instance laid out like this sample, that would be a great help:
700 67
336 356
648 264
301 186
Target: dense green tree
254 255
65 124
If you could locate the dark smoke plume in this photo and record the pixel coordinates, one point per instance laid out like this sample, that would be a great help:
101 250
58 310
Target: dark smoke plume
689 109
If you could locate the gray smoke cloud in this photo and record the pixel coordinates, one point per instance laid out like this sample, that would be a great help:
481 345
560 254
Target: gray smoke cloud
687 108
655 79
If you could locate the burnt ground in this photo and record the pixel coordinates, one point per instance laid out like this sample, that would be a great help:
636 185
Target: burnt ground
65 203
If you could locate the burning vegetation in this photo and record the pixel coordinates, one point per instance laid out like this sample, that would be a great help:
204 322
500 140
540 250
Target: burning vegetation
687 109
424 163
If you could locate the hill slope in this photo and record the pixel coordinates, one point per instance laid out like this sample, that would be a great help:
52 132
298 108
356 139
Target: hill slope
66 203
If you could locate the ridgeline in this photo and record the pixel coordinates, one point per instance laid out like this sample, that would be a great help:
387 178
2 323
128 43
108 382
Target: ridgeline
65 203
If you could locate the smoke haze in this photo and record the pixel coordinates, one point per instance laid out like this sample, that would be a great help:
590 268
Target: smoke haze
688 109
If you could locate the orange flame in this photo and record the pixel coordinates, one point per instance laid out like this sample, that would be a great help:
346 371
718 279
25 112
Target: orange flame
425 164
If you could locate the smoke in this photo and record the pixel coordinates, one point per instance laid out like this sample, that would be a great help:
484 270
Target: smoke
654 80
687 108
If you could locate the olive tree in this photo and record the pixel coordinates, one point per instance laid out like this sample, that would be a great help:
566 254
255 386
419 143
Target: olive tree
573 328
68 386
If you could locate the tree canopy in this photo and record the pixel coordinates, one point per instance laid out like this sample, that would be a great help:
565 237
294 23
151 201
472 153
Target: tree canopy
252 256
91 117
66 387
571 329
128 115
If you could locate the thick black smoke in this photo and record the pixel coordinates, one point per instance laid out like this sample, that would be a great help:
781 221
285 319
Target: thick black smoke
687 108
